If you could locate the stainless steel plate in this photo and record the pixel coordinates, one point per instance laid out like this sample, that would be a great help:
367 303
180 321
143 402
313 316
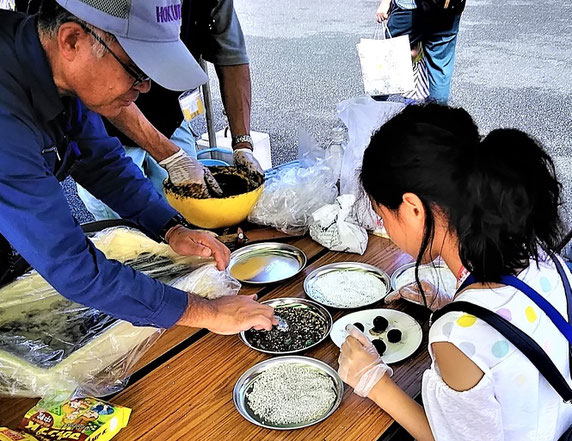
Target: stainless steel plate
436 273
267 262
373 297
245 382
291 301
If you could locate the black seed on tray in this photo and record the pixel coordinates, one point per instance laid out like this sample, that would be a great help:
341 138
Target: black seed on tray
380 324
359 326
394 335
379 346
305 327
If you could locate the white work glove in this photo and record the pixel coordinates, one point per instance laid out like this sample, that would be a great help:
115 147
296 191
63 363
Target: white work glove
185 170
360 365
436 299
244 159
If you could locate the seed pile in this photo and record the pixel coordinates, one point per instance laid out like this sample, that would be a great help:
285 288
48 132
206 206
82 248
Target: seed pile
291 394
347 289
305 328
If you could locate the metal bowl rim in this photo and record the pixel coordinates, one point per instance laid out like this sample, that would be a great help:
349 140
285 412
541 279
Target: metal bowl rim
324 367
301 257
320 308
349 265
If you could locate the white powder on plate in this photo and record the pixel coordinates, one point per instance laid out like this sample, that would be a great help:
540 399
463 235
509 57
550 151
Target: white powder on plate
347 289
291 394
439 277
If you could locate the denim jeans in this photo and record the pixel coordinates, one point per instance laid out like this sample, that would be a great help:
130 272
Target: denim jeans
183 137
438 32
439 41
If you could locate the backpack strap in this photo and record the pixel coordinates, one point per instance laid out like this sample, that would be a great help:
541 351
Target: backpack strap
519 339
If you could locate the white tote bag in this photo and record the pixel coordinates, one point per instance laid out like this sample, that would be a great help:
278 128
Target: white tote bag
386 64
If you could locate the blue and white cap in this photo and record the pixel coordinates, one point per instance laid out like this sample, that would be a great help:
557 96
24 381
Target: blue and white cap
149 32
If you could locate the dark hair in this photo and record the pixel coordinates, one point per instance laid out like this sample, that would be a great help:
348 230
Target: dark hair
499 194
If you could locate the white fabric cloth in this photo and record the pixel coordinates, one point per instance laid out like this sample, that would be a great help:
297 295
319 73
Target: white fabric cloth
512 402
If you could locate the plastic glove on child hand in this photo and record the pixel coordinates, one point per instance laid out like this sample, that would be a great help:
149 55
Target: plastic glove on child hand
436 299
185 170
244 159
360 365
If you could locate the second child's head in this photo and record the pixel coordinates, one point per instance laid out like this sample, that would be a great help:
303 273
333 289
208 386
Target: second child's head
434 181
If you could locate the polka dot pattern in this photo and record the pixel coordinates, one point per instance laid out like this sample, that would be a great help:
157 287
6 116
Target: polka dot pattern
500 348
530 313
467 348
447 328
466 320
545 284
505 313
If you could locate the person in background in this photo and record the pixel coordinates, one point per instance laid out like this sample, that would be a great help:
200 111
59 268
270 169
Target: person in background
436 29
61 70
157 137
488 207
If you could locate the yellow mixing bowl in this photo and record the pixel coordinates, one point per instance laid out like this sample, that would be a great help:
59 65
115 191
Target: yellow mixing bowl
214 213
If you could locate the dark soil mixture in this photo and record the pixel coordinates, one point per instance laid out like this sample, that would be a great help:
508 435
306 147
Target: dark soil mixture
305 328
231 180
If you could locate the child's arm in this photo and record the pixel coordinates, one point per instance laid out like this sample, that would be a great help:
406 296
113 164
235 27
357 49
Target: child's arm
402 408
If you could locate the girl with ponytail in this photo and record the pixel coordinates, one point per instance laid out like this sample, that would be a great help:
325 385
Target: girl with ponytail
488 207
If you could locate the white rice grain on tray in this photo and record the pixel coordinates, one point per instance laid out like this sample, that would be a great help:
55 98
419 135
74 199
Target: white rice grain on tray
290 394
347 289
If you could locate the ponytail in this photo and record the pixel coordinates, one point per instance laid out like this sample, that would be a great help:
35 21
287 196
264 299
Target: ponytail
512 202
500 195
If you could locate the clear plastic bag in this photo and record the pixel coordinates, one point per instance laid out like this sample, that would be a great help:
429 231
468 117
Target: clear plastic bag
291 195
362 116
52 347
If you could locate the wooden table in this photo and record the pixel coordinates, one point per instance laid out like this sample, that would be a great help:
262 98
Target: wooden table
182 387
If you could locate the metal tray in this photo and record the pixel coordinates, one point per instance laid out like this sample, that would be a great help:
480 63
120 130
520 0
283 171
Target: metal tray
315 307
347 266
244 383
268 262
440 274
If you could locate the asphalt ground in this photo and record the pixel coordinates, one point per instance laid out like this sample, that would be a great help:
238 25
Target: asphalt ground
513 69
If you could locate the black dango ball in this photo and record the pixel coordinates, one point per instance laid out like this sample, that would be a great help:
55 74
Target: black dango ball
379 346
359 326
394 335
380 324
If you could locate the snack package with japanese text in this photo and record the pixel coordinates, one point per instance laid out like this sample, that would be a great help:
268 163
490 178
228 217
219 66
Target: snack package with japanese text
82 419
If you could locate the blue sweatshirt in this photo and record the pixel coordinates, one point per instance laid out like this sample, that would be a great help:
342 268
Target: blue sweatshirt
44 138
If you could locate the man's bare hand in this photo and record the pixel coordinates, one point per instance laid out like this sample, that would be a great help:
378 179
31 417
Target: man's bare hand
187 242
229 314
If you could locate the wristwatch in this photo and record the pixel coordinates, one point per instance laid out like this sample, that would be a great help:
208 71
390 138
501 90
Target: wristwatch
242 138
173 222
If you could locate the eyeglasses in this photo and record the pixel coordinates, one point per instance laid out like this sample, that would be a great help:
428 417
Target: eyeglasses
138 75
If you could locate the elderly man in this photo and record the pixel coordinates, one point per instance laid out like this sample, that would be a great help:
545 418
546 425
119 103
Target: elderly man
211 30
60 70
